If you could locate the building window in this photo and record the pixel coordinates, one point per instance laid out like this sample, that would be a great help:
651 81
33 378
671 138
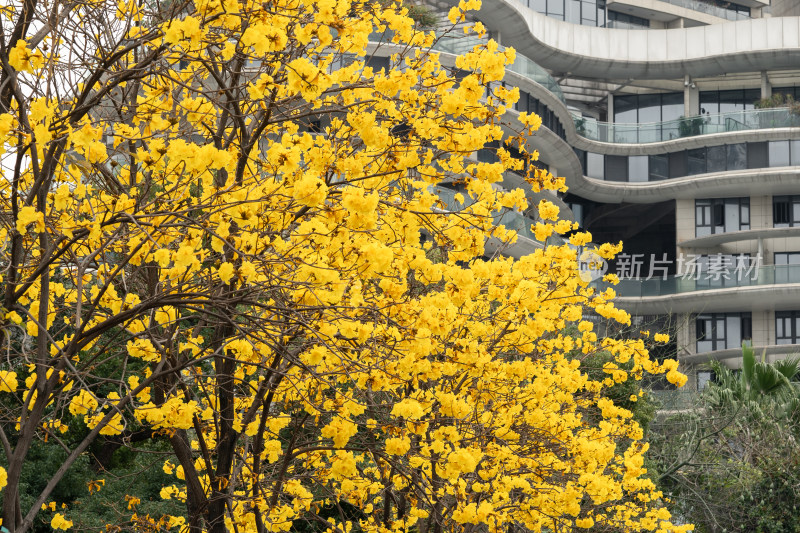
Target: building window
706 160
787 327
595 165
785 211
721 215
586 12
786 267
646 108
787 258
720 331
626 22
713 102
784 153
721 270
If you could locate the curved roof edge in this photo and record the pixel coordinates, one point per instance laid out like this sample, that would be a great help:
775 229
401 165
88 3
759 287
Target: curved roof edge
749 45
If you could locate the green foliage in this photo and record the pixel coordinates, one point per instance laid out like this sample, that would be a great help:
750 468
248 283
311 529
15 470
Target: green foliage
690 126
89 495
731 463
424 16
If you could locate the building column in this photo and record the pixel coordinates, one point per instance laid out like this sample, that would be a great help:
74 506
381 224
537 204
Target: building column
766 86
691 97
610 117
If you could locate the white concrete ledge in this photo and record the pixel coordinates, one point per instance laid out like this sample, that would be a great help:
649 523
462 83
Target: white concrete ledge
717 239
779 296
750 45
732 358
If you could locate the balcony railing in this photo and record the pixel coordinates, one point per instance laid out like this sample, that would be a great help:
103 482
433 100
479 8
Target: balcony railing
642 133
709 9
672 285
522 65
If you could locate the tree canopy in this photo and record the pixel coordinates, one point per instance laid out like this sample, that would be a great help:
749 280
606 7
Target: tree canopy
223 249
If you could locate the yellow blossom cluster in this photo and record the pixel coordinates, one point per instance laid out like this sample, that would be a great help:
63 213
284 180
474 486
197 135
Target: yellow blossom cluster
227 237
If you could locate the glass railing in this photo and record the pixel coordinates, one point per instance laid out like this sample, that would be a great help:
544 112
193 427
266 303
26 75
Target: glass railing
709 9
622 25
671 285
522 65
754 119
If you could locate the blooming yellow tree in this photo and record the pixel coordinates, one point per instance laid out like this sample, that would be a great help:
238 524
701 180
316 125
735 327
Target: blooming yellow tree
220 230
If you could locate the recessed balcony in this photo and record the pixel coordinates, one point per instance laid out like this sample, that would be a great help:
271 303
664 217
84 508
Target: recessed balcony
654 132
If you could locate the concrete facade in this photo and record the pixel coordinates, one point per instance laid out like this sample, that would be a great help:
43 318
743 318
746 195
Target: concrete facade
601 70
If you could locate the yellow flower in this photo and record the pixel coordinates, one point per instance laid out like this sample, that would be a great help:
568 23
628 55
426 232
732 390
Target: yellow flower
59 522
397 446
28 215
82 403
8 381
23 60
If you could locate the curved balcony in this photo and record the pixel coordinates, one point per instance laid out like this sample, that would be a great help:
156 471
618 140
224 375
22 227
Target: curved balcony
751 45
766 287
717 239
569 131
768 181
654 132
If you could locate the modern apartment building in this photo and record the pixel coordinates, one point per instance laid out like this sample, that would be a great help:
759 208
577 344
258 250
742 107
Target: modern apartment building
668 119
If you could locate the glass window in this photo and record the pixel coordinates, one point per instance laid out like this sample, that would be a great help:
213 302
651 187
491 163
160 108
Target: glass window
757 155
588 13
730 101
649 108
794 148
718 331
716 159
751 96
709 102
677 164
721 215
616 168
737 156
779 153
744 214
786 327
785 211
555 9
573 11
671 106
787 258
733 331
697 161
595 165
658 166
781 213
625 109
637 168
702 218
